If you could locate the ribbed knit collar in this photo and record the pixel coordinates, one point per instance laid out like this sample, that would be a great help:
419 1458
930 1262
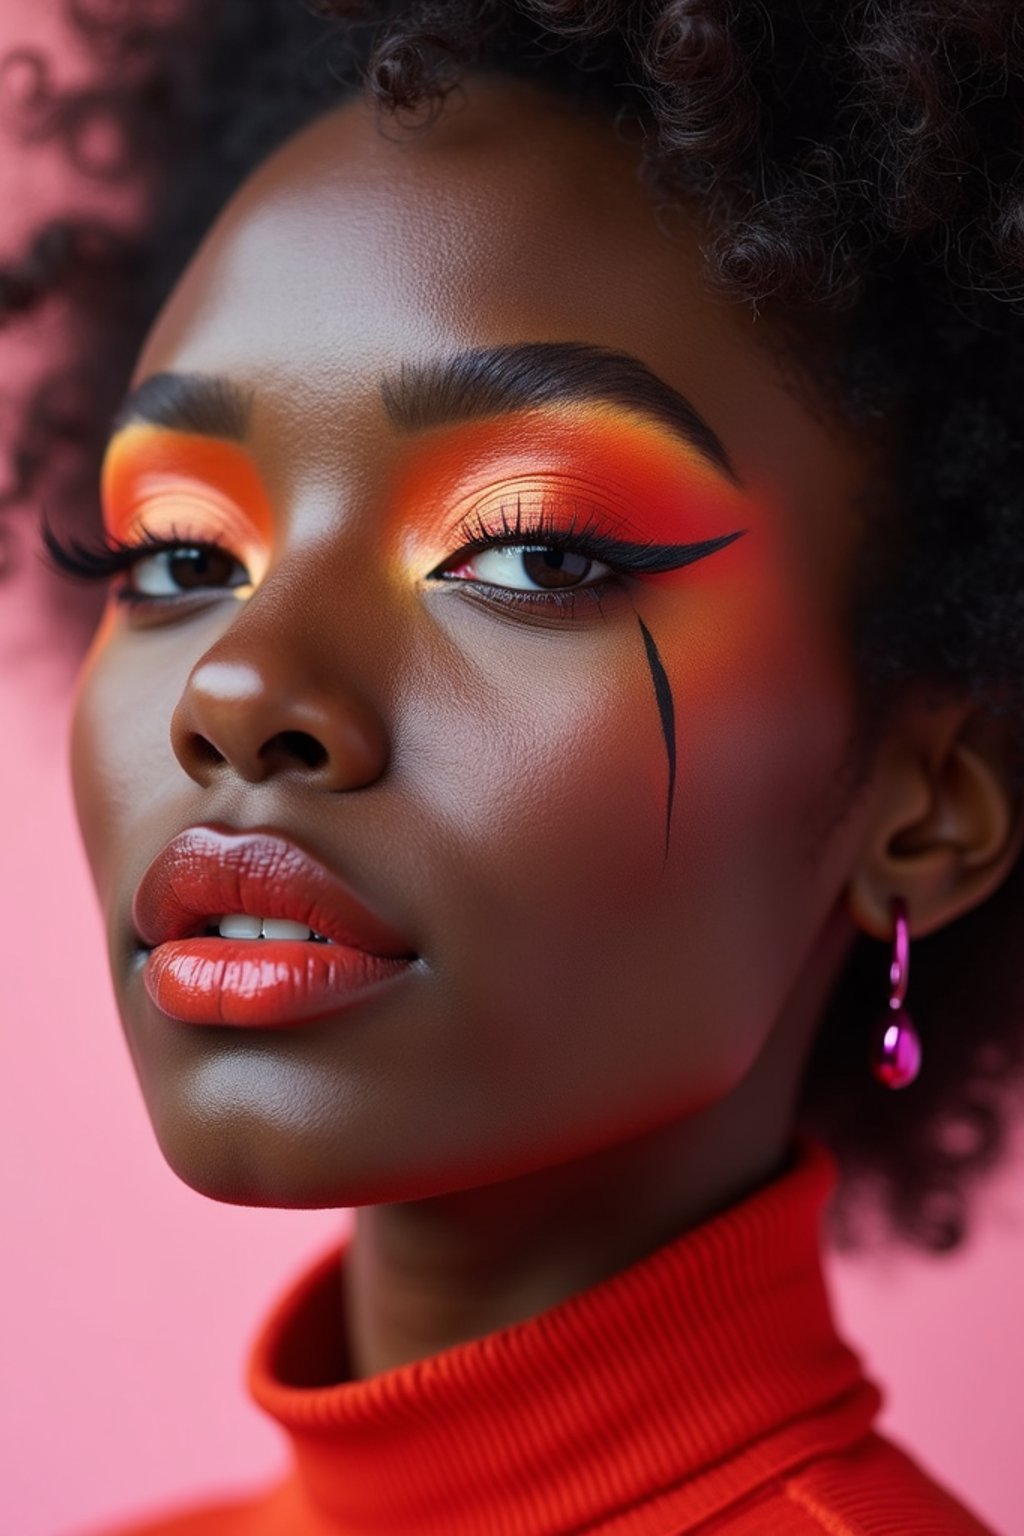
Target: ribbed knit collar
643 1404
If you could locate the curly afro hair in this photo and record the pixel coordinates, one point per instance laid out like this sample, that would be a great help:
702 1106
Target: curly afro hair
862 163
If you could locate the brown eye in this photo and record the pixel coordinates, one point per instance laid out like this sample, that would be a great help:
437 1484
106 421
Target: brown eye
184 568
528 567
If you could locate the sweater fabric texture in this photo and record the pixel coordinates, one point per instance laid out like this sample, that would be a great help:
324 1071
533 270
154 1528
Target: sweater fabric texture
703 1389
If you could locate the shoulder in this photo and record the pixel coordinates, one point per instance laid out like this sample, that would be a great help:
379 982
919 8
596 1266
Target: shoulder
266 1513
872 1488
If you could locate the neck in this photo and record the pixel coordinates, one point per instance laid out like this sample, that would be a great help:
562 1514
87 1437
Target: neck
425 1275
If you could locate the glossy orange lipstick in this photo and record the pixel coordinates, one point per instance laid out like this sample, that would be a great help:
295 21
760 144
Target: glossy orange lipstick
193 974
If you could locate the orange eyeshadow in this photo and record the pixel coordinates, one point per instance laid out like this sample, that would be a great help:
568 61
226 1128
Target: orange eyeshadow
645 483
206 487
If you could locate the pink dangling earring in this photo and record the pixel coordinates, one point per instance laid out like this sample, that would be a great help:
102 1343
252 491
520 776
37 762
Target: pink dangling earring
895 1055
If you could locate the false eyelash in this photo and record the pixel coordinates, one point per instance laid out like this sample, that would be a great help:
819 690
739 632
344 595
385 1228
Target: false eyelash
100 560
106 558
582 540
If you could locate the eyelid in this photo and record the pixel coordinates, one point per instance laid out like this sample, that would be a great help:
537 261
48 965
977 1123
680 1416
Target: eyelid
144 461
536 493
566 509
648 480
151 488
626 557
145 465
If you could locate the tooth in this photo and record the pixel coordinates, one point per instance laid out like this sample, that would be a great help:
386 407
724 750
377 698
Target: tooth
246 925
284 928
240 925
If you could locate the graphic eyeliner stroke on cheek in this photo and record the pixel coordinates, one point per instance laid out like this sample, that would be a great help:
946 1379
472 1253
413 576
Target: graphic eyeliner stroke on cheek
666 711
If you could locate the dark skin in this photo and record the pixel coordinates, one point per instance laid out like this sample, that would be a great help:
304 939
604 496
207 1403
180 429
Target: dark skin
603 1038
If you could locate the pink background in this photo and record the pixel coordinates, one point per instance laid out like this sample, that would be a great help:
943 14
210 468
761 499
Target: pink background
130 1301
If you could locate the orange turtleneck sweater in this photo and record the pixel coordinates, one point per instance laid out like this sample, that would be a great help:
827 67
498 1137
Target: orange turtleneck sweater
702 1389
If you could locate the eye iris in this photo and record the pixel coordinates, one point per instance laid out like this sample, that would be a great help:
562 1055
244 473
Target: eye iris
201 564
566 566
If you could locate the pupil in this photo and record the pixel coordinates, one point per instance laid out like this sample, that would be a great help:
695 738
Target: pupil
197 563
565 566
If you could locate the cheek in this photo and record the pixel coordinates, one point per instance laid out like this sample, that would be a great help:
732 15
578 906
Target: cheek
95 744
119 748
763 709
540 806
567 930
541 752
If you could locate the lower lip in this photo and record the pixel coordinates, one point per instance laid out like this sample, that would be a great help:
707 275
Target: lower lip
286 981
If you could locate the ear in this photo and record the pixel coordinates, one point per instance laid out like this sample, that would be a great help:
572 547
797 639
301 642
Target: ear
946 825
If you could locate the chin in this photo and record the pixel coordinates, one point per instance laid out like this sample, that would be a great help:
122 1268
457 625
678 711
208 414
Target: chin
238 1161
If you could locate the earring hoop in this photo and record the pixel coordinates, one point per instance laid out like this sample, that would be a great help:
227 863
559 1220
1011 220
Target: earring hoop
895 1051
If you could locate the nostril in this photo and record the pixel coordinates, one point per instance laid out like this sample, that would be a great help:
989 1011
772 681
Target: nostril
206 751
299 744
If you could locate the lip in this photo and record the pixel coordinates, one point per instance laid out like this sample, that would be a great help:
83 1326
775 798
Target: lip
207 871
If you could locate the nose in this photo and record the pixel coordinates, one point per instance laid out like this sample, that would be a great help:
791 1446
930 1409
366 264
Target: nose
255 717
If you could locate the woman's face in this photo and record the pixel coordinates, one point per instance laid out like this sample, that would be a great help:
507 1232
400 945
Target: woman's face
604 826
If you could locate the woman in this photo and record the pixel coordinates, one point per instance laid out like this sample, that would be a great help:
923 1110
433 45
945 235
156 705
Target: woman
562 536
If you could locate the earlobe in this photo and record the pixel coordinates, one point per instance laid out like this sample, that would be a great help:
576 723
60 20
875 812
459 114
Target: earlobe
946 833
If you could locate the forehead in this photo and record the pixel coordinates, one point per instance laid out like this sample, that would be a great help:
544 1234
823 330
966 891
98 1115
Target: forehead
516 216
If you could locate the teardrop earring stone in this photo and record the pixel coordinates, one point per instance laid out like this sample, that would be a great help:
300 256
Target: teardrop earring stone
895 1055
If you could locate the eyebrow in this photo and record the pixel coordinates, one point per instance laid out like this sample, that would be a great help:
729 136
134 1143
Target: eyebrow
464 386
209 404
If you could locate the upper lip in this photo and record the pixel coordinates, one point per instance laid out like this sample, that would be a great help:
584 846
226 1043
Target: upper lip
208 871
